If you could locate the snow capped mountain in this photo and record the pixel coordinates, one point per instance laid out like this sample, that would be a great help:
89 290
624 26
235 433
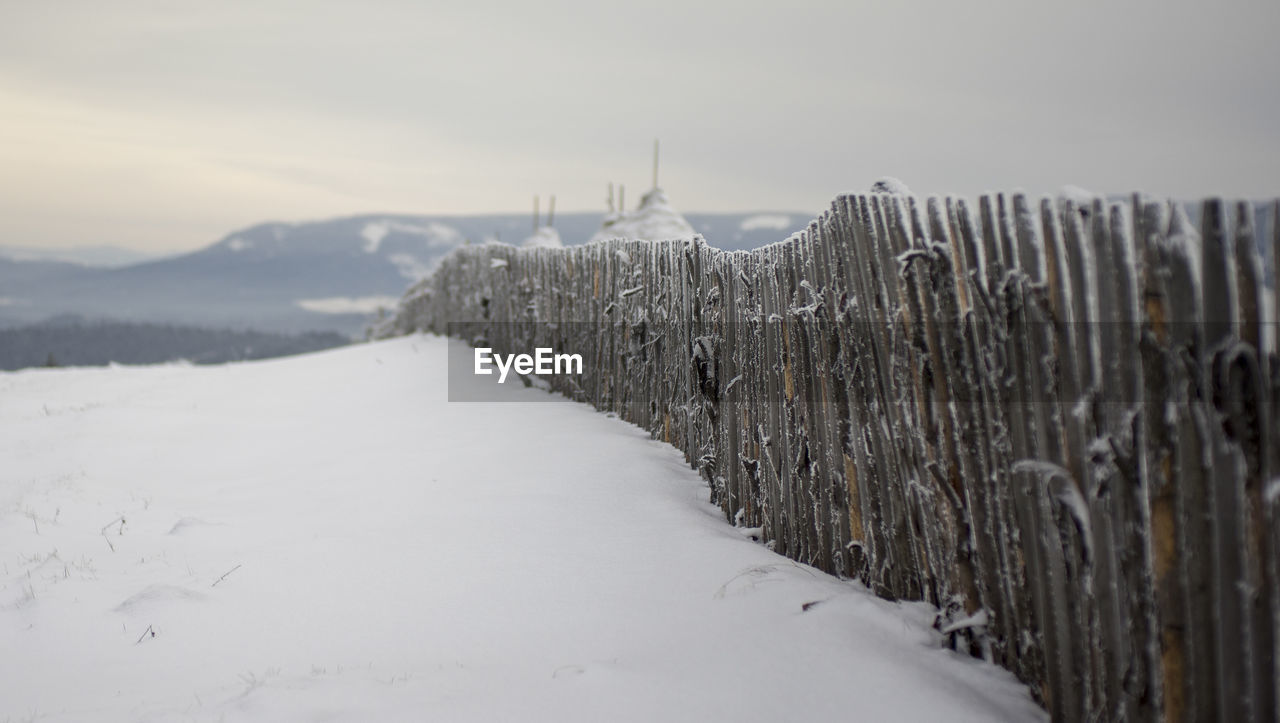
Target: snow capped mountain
407 244
330 275
889 184
436 234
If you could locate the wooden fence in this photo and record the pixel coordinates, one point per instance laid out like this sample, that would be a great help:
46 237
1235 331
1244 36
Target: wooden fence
1053 422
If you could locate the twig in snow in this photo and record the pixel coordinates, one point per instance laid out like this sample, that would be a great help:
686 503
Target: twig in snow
108 539
976 620
144 634
224 575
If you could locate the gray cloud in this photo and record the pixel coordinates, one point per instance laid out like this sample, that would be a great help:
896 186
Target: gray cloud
160 124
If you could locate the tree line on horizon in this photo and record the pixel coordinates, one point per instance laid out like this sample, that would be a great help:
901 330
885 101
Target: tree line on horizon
72 341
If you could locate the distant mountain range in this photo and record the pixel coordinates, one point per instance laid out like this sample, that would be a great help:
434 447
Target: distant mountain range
320 276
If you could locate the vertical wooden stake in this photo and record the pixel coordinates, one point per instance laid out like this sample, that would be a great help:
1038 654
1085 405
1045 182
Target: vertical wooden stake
655 162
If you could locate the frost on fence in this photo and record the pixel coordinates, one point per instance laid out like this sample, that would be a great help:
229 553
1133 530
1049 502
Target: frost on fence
1053 419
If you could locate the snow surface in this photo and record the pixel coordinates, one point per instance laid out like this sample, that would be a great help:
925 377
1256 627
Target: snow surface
438 235
654 220
348 304
325 537
373 233
774 221
545 237
889 184
411 268
1081 197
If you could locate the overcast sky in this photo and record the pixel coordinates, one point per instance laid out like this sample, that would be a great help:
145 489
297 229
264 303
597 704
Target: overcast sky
163 125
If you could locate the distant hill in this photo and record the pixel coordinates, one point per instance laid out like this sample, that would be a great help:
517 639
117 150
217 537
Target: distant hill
73 341
102 256
326 275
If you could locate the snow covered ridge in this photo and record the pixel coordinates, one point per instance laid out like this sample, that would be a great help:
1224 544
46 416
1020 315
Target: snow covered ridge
435 234
348 305
995 439
777 222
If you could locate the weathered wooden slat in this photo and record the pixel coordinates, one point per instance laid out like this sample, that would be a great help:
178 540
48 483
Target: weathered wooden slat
833 483
848 388
795 424
918 430
1014 294
946 343
1249 416
1221 328
1191 467
1164 647
987 367
899 402
1271 494
895 408
865 403
1036 439
815 302
769 434
1133 511
1102 617
754 402
975 450
862 371
1070 532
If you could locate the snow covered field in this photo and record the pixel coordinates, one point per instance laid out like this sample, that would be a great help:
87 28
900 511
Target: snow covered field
326 538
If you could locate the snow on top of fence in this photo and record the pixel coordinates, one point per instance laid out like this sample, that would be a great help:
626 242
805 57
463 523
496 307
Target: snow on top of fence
544 238
889 184
1082 198
655 220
